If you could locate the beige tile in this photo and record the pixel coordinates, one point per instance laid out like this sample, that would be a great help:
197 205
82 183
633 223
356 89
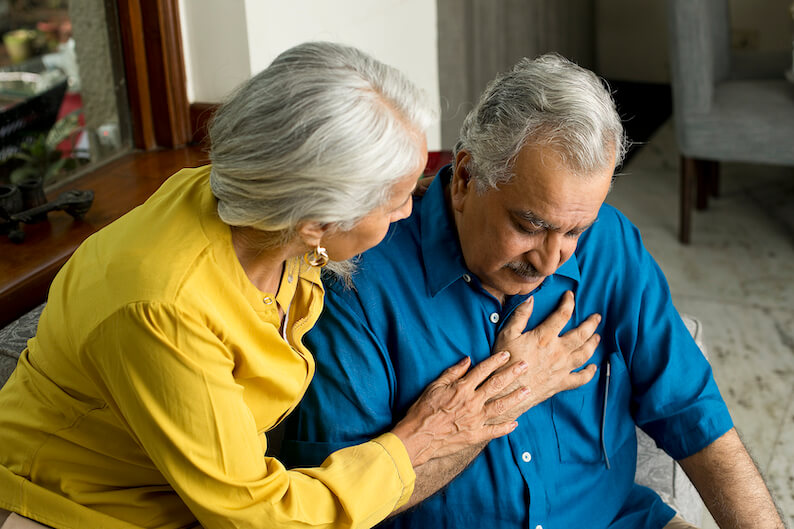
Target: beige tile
708 522
740 253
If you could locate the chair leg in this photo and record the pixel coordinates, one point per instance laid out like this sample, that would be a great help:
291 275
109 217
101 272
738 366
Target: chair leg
688 172
703 178
714 176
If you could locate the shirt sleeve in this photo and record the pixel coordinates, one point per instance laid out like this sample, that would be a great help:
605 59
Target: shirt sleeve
675 398
352 394
171 380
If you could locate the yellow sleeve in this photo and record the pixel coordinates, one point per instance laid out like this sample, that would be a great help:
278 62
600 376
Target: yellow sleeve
171 380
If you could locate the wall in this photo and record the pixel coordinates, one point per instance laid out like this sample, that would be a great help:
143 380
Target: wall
225 42
631 35
480 38
215 44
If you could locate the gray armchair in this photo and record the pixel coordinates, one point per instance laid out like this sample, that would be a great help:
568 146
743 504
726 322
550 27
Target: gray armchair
727 106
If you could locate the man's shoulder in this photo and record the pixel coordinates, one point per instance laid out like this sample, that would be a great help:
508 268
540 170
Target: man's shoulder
611 232
399 249
612 247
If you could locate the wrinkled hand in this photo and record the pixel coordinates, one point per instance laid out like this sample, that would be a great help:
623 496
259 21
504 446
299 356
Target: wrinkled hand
459 410
551 358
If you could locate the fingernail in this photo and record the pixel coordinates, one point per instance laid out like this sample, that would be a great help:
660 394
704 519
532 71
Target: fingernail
520 367
525 392
463 361
504 355
514 425
530 300
598 318
597 338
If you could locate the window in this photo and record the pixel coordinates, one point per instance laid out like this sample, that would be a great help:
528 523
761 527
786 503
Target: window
63 101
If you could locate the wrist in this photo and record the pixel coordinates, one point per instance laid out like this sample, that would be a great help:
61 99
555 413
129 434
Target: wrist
406 433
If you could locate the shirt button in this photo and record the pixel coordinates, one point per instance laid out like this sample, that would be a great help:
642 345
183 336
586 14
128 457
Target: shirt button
538 527
527 457
268 300
467 278
494 317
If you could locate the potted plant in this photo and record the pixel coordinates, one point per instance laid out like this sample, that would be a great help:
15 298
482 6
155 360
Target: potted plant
40 157
41 161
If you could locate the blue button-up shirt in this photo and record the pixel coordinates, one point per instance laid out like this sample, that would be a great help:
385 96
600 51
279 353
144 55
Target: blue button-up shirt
415 310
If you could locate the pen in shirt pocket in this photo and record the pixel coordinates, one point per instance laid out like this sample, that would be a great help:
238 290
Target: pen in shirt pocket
607 377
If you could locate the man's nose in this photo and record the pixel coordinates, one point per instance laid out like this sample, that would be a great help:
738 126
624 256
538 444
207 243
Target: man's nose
546 258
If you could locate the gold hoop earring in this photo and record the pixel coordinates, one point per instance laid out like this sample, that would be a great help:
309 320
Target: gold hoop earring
316 257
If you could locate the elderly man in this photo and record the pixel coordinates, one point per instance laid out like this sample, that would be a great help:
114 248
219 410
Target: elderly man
514 228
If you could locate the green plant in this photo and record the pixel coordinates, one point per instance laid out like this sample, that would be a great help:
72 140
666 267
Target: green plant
41 159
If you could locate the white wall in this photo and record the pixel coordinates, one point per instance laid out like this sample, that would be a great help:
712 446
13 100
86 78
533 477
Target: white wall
225 42
215 47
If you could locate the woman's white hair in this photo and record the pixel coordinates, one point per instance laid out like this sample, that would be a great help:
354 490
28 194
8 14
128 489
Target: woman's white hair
547 101
322 134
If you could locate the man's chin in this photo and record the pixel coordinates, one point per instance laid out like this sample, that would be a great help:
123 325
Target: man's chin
509 283
522 285
523 279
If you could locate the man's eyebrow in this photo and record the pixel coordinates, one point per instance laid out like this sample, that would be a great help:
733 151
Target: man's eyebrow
535 220
582 229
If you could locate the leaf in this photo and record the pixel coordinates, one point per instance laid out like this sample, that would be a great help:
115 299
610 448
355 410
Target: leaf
23 156
53 169
39 150
21 174
63 128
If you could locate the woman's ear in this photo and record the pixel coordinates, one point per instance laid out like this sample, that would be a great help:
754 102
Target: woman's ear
312 232
461 184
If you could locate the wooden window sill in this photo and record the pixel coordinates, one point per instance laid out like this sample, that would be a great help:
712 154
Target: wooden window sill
27 269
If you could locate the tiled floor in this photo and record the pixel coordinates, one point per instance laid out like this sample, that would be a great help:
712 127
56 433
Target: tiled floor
737 277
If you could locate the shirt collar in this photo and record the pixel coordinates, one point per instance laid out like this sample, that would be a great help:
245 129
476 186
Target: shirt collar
441 254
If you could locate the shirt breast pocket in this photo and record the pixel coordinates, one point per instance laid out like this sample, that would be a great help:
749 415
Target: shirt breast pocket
593 421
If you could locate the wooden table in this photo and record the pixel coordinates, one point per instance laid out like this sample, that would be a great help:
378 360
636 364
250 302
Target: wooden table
27 269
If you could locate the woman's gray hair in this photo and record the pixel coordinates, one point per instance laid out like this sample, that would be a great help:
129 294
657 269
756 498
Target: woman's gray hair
321 134
547 101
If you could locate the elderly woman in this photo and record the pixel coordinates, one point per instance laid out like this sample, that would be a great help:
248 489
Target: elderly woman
171 342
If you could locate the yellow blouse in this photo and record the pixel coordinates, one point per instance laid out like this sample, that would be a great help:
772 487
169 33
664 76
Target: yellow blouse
158 367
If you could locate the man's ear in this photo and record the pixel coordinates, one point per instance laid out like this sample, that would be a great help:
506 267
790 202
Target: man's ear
462 183
311 232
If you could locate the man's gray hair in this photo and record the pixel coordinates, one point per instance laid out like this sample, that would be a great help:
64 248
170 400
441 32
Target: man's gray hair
546 101
321 134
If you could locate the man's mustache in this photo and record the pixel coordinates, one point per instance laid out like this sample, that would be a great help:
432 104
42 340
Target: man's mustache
525 270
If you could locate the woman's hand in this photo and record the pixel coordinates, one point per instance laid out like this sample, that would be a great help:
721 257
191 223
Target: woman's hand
458 410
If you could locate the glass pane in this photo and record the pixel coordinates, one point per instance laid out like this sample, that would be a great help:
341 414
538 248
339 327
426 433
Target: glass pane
63 106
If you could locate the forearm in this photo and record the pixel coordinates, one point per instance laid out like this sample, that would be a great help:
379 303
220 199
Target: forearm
437 473
731 486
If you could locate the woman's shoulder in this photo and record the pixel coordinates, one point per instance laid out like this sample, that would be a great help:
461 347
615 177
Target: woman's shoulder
150 254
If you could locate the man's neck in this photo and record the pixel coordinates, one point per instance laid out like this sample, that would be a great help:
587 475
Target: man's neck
451 216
